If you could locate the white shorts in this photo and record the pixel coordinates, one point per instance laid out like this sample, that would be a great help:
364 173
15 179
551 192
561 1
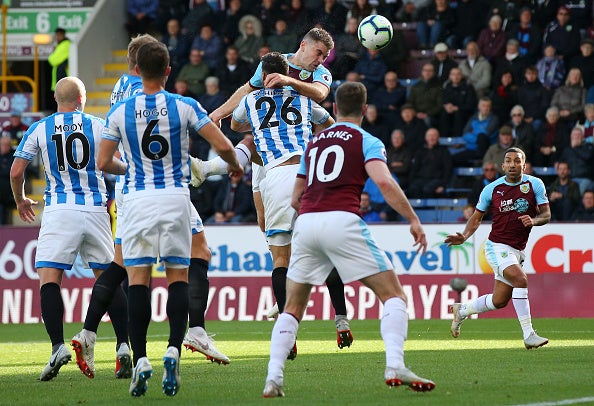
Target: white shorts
66 233
258 175
195 221
156 226
322 241
119 200
279 215
500 256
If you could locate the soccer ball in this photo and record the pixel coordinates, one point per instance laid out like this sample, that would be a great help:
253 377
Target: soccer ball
375 32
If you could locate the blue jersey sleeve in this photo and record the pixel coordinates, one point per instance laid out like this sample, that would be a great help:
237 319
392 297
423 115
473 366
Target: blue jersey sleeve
540 191
302 168
486 196
256 80
373 148
28 147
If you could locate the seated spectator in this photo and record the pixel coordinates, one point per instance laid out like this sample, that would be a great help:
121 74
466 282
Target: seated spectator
480 131
374 124
233 202
585 213
213 97
504 95
297 17
409 11
228 21
491 40
467 212
551 69
181 87
512 61
268 12
431 170
459 101
399 158
361 9
348 50
377 200
211 45
200 13
141 16
469 15
579 155
564 194
551 138
168 10
533 97
522 131
528 35
563 35
331 16
570 98
195 72
250 40
178 46
282 40
435 23
477 70
588 123
368 214
508 10
6 197
390 98
442 62
234 72
496 152
15 128
371 69
425 96
585 62
414 128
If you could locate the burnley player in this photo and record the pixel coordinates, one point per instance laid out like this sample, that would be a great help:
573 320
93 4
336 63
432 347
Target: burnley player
518 203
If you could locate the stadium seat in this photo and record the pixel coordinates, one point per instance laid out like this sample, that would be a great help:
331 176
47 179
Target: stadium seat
450 216
544 170
468 171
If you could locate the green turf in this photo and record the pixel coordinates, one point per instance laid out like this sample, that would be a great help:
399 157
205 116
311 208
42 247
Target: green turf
487 365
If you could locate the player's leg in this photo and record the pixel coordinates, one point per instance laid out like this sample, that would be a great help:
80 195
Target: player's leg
394 330
245 151
344 336
52 312
280 260
196 338
284 334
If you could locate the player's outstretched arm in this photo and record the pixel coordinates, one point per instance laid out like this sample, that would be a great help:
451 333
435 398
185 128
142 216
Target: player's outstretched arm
316 91
227 108
473 223
395 197
17 183
106 161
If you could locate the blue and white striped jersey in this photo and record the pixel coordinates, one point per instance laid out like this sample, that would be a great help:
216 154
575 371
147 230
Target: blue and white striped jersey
281 122
68 144
126 86
153 130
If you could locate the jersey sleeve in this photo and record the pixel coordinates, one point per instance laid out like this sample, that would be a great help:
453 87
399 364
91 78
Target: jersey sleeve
322 75
373 148
111 130
319 114
485 198
200 118
540 191
28 147
240 113
256 80
302 171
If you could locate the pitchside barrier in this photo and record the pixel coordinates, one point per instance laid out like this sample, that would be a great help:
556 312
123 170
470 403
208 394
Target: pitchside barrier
559 262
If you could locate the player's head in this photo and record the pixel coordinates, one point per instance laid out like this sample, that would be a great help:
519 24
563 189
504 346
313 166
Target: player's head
315 48
152 60
350 100
70 94
514 162
133 46
274 62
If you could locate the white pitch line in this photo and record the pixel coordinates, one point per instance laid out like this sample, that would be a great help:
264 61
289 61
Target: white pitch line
561 402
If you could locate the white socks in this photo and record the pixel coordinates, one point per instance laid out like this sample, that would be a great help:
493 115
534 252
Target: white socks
479 305
522 306
282 340
394 327
217 166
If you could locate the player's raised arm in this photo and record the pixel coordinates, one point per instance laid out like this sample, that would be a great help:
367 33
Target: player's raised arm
316 91
225 109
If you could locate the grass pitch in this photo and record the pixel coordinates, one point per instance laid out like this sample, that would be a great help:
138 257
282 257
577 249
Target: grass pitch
487 365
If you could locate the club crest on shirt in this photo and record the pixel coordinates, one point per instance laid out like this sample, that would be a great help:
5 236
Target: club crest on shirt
304 74
525 188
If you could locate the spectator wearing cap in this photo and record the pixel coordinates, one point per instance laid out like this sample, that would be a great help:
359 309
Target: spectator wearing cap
585 62
528 35
491 40
564 36
442 62
476 69
15 128
58 59
496 152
